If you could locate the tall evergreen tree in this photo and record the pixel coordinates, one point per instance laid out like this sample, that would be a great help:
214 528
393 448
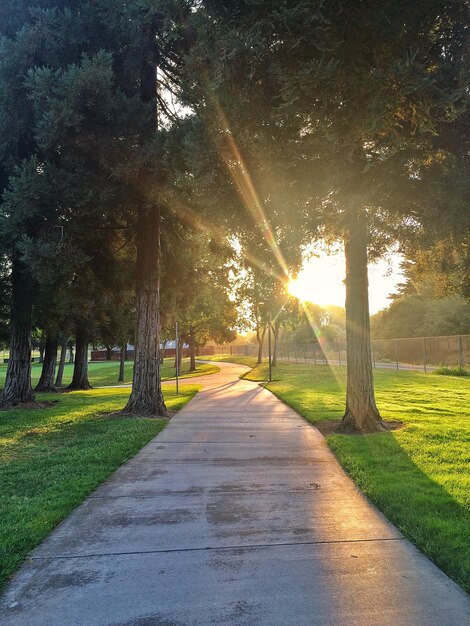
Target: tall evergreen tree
348 98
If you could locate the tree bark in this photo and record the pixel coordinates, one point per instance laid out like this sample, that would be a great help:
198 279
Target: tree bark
80 369
180 353
18 387
122 362
260 337
361 413
108 353
42 347
71 352
147 398
192 351
46 381
276 327
63 353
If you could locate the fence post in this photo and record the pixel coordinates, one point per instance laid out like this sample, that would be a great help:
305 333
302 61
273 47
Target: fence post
460 352
396 352
425 356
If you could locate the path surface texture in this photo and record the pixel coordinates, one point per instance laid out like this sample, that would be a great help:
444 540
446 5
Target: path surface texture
236 514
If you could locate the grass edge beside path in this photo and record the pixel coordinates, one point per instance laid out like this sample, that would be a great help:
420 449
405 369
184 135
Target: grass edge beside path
249 361
105 373
51 459
417 476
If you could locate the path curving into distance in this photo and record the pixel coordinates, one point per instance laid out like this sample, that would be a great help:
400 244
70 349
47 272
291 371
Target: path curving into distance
237 514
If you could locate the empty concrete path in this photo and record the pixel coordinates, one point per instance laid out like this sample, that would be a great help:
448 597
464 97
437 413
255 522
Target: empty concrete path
236 514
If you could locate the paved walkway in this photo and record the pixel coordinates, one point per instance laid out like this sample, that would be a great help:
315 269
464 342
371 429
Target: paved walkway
237 514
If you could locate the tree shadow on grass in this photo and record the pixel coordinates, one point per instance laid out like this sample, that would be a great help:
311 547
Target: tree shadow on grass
423 510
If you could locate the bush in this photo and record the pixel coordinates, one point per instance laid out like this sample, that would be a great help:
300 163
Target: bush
452 371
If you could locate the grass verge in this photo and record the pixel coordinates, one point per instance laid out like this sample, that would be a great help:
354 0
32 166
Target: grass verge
419 475
52 458
106 372
250 361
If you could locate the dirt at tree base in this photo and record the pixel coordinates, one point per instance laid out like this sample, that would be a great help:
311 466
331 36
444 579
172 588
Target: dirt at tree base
30 405
330 427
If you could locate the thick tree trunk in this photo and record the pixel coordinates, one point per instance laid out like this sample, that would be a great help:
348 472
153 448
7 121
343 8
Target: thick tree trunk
122 362
260 338
361 413
80 369
147 398
18 378
71 352
192 351
63 354
46 381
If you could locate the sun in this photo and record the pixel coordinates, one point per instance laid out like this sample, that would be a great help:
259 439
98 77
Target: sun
296 288
320 281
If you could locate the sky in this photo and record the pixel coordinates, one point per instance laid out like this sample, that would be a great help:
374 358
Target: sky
321 280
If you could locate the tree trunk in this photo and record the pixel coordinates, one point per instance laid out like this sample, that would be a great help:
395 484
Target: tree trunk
71 352
147 398
192 351
60 371
122 362
276 327
260 337
42 347
180 353
361 413
46 381
18 378
80 369
108 353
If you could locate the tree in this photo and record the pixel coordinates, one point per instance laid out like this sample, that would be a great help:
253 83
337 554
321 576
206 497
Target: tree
354 115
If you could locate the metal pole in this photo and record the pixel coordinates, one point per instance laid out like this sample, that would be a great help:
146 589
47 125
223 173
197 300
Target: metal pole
269 344
177 359
425 356
396 352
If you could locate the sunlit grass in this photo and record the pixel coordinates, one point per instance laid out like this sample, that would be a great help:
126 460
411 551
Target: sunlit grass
419 476
107 372
52 458
250 361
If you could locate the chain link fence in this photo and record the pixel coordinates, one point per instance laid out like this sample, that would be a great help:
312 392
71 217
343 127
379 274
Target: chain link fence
417 353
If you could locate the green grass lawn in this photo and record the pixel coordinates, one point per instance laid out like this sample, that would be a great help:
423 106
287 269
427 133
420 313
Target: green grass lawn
107 372
52 458
226 358
418 476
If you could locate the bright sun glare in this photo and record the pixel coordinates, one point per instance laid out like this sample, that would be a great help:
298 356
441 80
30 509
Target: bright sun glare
321 281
